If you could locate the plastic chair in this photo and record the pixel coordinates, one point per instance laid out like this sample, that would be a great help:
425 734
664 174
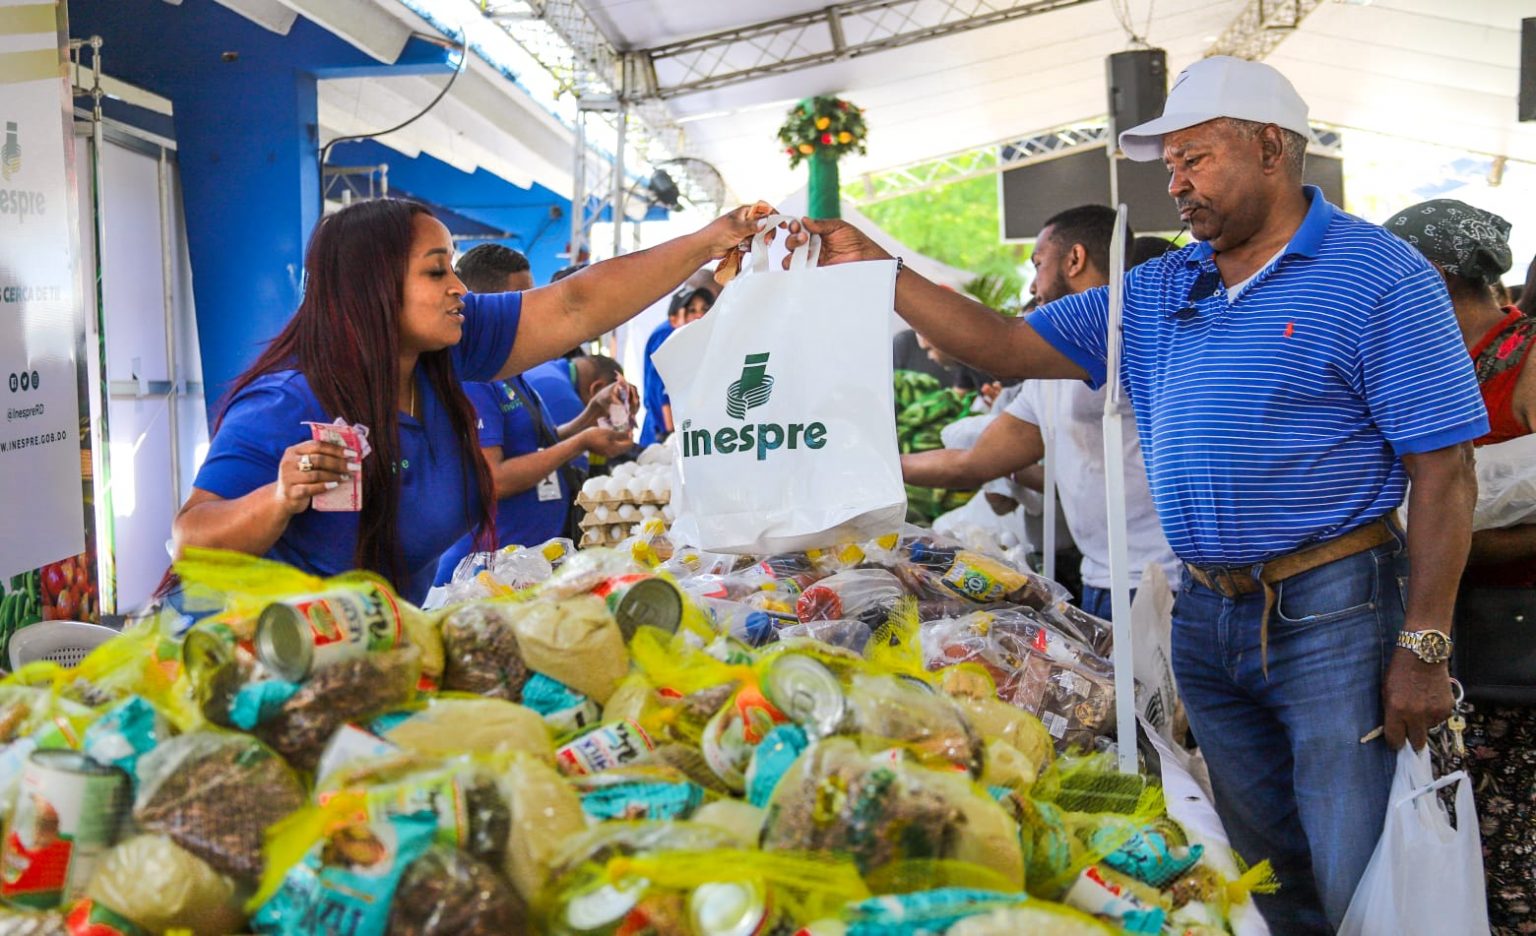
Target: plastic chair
63 642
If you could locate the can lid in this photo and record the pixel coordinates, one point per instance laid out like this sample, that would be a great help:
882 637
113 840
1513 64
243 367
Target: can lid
650 603
605 905
204 652
283 642
805 690
728 908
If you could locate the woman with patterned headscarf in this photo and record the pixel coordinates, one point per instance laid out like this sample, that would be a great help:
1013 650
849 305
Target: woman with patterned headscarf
1471 249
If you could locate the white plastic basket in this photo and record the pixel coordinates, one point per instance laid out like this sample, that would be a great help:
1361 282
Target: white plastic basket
62 642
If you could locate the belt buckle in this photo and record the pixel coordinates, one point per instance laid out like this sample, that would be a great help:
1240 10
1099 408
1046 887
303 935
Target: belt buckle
1229 583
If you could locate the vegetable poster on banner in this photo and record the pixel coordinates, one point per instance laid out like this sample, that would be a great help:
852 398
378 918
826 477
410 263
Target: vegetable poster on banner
41 510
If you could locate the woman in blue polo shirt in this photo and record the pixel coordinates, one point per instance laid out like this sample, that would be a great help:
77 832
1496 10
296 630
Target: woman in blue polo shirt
383 337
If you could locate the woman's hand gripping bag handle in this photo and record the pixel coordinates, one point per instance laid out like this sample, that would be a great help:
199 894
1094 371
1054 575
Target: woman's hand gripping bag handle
1426 877
784 407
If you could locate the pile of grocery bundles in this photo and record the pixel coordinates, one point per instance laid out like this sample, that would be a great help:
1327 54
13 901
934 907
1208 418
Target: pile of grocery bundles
651 740
615 506
923 408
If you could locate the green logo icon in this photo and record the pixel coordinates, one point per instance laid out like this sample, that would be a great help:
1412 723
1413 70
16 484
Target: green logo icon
10 152
752 390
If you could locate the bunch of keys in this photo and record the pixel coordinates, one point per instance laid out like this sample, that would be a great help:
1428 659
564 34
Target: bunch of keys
1457 723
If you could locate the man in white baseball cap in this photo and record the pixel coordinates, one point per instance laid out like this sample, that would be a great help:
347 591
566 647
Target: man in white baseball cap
1218 87
1291 370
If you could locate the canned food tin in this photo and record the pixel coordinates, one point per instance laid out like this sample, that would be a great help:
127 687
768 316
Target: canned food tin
652 603
605 747
733 733
295 636
209 654
67 814
806 691
613 590
731 908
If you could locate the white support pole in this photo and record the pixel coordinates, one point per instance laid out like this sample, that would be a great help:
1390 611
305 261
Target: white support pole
1114 484
1048 513
579 189
617 201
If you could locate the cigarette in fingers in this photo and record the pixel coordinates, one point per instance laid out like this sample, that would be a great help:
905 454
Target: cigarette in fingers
1373 734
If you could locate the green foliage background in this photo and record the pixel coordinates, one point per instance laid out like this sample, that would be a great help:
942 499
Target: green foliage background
956 223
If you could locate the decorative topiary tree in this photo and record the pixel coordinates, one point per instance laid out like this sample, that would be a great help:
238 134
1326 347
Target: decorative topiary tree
823 130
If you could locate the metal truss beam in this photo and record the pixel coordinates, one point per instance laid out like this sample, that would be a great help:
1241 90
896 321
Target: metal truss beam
842 31
1010 153
1260 27
564 39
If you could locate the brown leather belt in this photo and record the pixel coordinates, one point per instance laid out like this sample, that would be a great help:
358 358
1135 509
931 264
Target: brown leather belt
1253 580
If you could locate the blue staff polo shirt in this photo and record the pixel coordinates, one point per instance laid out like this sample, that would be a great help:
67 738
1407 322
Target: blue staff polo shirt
1279 419
655 392
439 501
521 519
555 384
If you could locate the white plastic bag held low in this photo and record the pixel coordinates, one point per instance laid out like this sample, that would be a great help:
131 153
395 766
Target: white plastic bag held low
784 410
1426 878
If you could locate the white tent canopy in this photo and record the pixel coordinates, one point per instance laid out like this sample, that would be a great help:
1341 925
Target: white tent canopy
1428 70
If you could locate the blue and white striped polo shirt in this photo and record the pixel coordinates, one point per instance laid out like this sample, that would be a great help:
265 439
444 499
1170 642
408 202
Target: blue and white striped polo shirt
1279 419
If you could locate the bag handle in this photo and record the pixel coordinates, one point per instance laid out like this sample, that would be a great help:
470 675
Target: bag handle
804 257
1445 781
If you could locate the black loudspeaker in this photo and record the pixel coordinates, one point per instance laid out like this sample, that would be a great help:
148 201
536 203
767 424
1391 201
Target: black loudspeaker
1528 69
1138 86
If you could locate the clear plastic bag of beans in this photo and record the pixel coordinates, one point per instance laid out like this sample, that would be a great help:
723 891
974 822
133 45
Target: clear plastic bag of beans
346 691
215 794
448 893
481 651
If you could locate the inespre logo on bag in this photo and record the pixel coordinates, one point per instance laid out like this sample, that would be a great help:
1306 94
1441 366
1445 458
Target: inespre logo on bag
752 390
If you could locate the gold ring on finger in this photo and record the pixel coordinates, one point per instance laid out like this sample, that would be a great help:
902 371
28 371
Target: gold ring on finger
305 464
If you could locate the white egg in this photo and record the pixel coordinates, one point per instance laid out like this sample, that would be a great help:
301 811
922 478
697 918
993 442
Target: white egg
668 513
624 471
615 533
613 487
647 511
628 512
593 487
603 513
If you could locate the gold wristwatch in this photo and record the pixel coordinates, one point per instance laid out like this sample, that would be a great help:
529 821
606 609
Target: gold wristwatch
1431 646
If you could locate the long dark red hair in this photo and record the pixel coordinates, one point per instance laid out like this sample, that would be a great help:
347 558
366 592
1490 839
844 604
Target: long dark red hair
345 340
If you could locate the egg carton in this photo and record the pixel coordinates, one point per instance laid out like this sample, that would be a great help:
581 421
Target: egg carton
590 519
610 534
587 501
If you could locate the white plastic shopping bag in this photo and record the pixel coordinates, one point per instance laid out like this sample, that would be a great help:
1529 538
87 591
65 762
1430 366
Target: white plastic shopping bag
784 409
1157 696
1426 878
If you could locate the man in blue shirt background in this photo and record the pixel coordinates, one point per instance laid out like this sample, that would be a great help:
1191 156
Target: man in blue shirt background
1290 372
688 305
577 391
569 385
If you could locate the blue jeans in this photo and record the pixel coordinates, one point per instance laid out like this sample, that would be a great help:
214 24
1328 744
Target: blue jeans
1096 602
1291 779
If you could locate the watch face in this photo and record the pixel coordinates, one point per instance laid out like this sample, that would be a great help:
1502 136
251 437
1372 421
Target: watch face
1429 646
1436 646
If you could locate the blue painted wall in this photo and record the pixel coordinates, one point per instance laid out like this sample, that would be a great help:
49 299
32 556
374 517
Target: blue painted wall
495 204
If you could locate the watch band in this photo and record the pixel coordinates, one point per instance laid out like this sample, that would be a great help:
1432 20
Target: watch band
1430 646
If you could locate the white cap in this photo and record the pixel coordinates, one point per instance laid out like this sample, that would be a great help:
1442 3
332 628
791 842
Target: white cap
1220 86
